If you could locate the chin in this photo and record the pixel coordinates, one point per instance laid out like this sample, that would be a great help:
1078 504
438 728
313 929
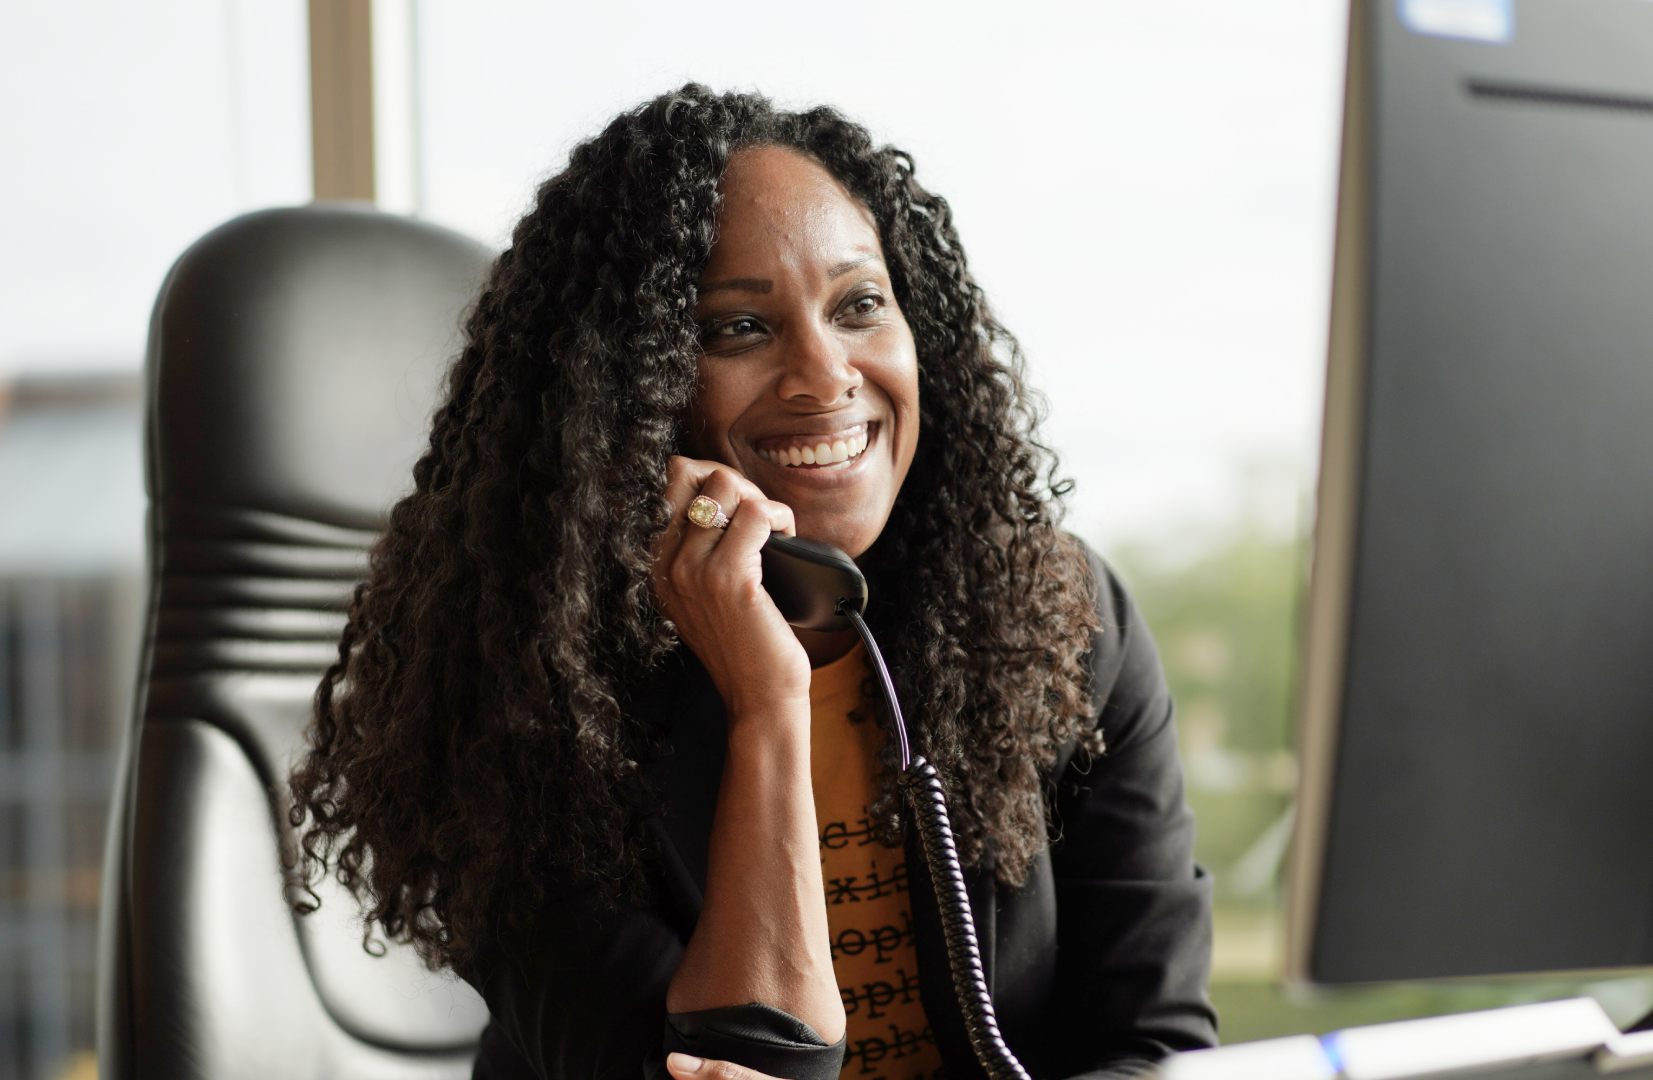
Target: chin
853 539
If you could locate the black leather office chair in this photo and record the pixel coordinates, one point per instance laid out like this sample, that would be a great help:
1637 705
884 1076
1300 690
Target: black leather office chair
294 358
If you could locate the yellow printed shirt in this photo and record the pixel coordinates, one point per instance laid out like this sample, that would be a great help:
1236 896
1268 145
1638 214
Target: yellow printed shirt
869 918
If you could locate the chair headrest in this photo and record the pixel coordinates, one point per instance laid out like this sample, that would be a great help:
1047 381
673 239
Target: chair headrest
296 355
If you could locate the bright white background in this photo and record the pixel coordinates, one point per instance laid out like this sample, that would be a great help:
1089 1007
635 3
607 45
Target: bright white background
1145 188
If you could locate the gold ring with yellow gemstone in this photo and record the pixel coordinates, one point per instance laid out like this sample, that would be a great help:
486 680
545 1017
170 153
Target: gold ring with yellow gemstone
706 513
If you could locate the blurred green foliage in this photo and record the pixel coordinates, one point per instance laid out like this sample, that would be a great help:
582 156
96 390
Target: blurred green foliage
1225 624
1227 627
1257 1009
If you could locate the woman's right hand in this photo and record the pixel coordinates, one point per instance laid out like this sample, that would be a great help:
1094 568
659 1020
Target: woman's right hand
762 933
709 582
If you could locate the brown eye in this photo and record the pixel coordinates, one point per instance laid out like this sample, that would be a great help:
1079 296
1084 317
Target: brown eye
865 305
735 328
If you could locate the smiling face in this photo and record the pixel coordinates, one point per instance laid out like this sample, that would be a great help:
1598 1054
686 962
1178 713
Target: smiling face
808 373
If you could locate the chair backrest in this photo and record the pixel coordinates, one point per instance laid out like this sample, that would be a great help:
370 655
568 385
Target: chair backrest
294 360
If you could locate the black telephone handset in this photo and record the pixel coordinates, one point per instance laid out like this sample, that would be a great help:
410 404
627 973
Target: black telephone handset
818 587
807 580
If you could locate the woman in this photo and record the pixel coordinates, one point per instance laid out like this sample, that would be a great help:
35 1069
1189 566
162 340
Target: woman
570 748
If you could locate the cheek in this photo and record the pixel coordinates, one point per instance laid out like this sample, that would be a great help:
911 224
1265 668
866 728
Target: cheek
903 390
709 416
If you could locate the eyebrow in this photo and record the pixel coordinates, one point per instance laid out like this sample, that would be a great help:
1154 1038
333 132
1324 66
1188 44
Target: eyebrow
765 286
845 267
740 284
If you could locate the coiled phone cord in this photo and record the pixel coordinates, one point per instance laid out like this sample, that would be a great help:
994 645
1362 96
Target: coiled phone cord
922 786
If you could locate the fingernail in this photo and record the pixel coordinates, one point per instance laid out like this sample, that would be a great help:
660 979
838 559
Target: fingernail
684 1062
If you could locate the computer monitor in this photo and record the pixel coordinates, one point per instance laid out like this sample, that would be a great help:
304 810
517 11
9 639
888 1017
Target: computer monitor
1476 707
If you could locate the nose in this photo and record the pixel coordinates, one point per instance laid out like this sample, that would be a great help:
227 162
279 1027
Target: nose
818 368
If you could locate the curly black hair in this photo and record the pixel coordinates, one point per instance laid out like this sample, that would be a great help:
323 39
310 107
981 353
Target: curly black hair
471 745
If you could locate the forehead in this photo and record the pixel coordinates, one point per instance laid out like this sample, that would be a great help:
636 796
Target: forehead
780 203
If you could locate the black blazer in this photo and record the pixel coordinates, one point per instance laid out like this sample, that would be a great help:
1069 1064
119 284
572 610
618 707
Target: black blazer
1098 964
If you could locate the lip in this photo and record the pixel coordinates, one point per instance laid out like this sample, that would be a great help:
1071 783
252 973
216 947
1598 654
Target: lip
855 437
832 473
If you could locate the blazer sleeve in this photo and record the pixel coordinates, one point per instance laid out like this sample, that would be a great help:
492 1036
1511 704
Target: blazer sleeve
582 994
1134 910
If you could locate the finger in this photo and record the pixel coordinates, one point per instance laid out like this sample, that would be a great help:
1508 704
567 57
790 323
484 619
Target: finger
727 564
678 565
753 521
685 1067
737 559
729 490
677 482
684 478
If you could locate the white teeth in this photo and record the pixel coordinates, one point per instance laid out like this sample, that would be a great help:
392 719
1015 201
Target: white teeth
821 453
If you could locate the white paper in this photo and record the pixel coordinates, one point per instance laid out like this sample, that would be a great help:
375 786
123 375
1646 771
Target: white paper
1298 1057
1439 1044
